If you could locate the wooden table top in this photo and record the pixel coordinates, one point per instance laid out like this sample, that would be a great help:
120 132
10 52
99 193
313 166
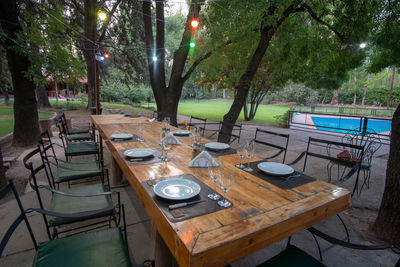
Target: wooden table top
262 213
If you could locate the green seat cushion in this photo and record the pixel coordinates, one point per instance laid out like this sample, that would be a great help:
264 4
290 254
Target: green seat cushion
78 131
82 136
79 149
77 170
292 256
68 204
94 249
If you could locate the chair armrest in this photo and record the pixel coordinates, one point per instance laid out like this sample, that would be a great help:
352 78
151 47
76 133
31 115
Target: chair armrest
298 158
348 175
75 195
277 154
77 215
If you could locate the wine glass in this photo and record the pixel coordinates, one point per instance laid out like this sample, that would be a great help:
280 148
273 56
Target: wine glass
165 147
226 182
249 149
240 152
160 143
214 175
193 135
139 128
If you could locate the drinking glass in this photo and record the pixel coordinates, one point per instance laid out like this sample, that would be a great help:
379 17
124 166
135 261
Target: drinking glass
160 143
249 149
240 152
139 128
166 148
226 182
214 173
193 135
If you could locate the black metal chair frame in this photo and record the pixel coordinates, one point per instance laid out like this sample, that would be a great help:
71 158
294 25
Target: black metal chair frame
116 209
201 125
22 217
281 148
63 136
64 122
232 136
47 159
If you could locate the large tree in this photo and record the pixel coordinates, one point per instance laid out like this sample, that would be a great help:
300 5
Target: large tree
26 126
386 52
256 25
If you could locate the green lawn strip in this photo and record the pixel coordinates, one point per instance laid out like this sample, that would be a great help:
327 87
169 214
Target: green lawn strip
6 126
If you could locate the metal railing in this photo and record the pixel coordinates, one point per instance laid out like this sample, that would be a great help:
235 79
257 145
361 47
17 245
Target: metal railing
345 110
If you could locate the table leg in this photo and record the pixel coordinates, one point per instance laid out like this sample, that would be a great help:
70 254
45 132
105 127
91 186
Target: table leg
116 173
159 251
101 151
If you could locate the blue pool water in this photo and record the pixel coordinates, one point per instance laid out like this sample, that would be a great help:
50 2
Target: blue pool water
344 125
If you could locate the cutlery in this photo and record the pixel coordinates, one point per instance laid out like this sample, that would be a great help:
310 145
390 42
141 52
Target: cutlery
184 204
292 176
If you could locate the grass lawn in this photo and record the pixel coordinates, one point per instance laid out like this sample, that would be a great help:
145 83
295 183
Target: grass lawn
215 110
7 119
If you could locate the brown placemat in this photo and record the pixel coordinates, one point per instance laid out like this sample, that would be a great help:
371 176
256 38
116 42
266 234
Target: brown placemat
134 138
283 182
184 213
151 160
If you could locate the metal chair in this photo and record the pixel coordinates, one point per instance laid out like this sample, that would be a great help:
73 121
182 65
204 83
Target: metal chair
73 137
233 136
198 122
68 171
282 148
73 149
371 142
71 131
92 201
294 256
102 248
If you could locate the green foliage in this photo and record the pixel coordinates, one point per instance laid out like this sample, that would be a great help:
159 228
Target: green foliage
68 105
283 120
115 90
298 93
379 96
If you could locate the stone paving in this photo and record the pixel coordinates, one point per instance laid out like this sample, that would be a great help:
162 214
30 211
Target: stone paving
362 212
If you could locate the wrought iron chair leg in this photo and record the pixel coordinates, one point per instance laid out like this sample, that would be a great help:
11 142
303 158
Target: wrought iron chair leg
345 227
319 247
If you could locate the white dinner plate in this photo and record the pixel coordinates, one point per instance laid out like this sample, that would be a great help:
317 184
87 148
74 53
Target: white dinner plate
177 189
181 133
274 168
217 146
122 136
137 153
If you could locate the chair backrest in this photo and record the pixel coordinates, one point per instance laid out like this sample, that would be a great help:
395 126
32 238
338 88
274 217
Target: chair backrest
236 131
371 142
333 151
21 217
195 121
44 145
62 133
261 136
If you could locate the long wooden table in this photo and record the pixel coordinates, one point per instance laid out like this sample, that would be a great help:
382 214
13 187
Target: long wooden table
262 213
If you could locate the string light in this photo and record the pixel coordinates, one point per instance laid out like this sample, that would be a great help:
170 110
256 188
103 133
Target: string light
102 15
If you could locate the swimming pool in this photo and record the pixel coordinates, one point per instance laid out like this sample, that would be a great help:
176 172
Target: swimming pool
343 125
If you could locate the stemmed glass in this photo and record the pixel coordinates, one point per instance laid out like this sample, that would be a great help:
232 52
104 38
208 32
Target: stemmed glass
240 151
165 147
160 143
193 134
249 149
215 173
226 182
139 128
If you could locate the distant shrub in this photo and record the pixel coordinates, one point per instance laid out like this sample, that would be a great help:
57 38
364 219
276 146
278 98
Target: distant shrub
283 120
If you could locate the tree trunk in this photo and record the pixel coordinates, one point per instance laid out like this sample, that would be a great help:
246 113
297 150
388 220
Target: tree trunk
387 224
335 98
3 180
245 111
365 91
26 126
90 22
391 89
43 99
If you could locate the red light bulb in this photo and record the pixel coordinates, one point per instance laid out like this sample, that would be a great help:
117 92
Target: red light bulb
194 23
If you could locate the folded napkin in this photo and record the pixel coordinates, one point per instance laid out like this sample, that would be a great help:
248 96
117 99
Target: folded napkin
203 160
171 139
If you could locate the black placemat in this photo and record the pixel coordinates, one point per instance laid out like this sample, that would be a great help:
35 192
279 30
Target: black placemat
184 213
220 152
134 162
134 138
284 182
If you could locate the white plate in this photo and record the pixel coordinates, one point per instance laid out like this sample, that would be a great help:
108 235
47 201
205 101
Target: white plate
177 189
274 168
181 133
137 153
217 146
121 136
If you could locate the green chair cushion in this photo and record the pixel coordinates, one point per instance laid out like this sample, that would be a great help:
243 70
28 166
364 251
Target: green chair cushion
94 249
82 136
77 170
292 256
67 204
79 149
78 131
